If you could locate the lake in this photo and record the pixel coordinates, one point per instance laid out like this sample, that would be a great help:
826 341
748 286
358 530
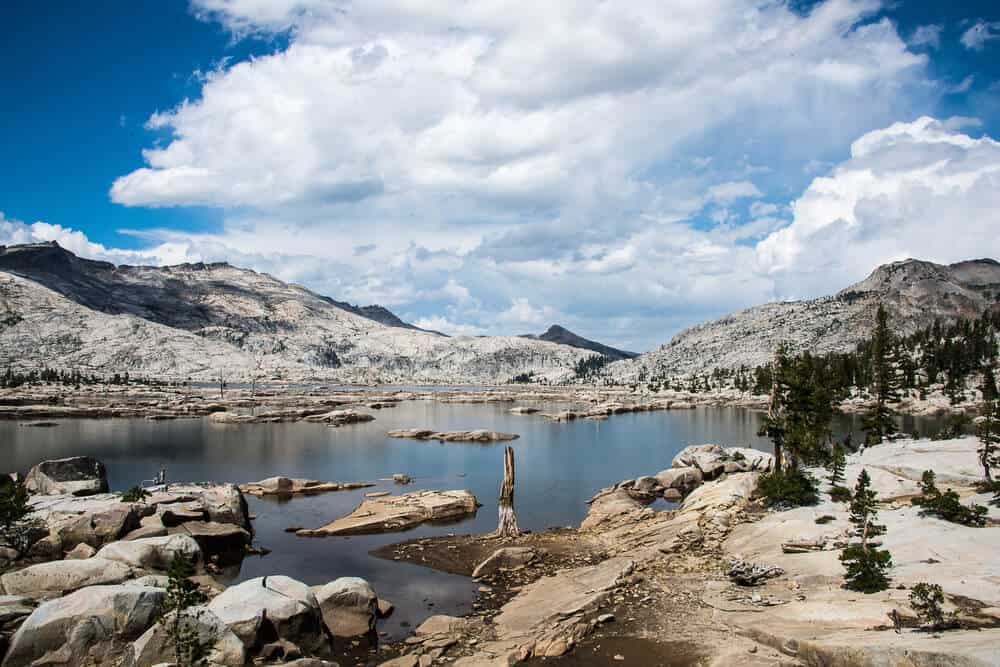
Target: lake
559 467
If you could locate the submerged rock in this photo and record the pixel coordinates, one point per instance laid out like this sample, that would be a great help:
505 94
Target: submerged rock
380 515
288 486
76 476
479 435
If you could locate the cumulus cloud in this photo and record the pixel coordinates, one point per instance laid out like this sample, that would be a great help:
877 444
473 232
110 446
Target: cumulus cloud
377 108
976 37
492 167
916 189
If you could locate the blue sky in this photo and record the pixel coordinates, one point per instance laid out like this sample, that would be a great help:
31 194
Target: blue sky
625 171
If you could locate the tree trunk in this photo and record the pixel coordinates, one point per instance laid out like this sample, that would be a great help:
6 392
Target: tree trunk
772 414
507 523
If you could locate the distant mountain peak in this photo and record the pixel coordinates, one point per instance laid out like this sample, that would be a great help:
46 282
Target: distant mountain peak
915 292
563 336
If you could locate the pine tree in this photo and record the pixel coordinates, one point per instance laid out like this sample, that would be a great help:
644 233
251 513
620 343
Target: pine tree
880 423
182 627
989 384
773 425
988 430
837 464
865 564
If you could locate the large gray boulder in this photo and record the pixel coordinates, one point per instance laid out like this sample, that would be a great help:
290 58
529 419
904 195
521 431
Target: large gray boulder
682 479
152 553
349 606
74 627
93 520
751 459
709 459
77 475
273 607
63 576
221 503
154 646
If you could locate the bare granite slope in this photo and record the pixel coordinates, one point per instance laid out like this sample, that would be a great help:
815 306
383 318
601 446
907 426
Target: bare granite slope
203 320
913 291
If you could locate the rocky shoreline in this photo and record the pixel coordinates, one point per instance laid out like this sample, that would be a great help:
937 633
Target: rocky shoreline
629 577
674 582
41 405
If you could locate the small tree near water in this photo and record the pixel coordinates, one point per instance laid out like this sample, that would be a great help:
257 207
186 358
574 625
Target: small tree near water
865 564
182 627
988 430
17 531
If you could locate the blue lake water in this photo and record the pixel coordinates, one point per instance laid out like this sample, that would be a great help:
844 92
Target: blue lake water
559 466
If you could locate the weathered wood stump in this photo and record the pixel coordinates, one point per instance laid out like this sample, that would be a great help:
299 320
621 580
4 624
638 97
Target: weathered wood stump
507 523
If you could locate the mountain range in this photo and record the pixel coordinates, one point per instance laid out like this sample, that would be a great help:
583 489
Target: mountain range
211 321
214 320
914 293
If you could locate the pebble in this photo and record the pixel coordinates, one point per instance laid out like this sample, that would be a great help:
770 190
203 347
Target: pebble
605 618
619 656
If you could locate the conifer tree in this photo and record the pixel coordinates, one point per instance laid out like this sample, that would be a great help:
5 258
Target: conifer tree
880 423
988 430
864 563
837 464
182 628
989 384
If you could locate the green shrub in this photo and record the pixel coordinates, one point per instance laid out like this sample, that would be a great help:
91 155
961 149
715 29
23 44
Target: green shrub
927 601
13 502
840 494
947 505
135 495
865 568
792 488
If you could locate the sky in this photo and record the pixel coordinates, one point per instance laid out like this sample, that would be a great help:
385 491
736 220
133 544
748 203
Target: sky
623 169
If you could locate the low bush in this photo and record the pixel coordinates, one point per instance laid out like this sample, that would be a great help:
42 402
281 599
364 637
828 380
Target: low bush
840 494
791 488
947 505
927 601
135 495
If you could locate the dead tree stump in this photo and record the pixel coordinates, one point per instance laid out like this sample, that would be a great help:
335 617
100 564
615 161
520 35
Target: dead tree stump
507 524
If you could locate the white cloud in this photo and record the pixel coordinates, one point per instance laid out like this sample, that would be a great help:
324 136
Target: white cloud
487 110
981 32
915 189
760 208
918 189
491 167
445 326
13 231
725 193
926 35
962 86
